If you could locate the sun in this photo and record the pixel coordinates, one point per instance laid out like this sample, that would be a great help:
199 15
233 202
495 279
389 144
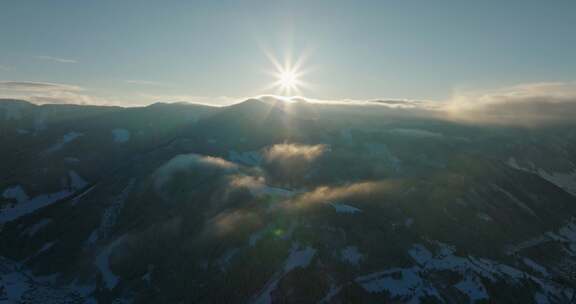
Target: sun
288 75
288 80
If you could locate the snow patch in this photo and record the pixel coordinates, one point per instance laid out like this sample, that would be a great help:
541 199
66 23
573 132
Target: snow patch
76 181
403 283
32 230
66 138
43 200
351 255
103 264
483 216
472 287
513 198
343 208
296 258
110 215
408 285
408 222
225 259
535 266
15 192
299 258
32 205
564 180
256 236
45 247
21 286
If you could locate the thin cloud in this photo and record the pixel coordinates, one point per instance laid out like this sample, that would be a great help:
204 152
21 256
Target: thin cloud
293 152
193 164
37 86
288 163
145 82
56 59
359 192
49 93
4 68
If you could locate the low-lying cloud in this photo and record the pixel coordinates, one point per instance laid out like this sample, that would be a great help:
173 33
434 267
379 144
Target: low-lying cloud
528 105
293 152
357 192
192 168
288 163
231 221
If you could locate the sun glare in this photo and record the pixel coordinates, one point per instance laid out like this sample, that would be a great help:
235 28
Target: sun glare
287 80
288 75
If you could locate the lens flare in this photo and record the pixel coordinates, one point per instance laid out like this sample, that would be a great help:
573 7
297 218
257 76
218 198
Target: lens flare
288 74
288 80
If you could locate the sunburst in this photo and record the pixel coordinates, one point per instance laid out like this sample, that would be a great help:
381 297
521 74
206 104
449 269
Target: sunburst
288 74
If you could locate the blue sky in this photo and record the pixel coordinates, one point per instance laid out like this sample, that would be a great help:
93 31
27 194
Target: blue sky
143 51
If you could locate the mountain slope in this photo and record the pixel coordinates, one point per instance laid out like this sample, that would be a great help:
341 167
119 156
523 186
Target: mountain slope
272 202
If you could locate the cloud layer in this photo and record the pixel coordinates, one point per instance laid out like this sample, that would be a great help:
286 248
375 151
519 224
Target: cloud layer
529 105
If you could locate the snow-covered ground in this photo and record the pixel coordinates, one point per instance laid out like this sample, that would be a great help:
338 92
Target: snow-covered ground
43 200
409 284
103 263
32 230
76 181
343 208
351 255
32 205
66 138
15 192
298 257
564 180
110 215
20 286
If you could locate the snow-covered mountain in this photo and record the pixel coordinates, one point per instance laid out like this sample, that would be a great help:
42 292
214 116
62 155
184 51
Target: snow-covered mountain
273 202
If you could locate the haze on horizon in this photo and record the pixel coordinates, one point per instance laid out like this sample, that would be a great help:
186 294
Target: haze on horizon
139 52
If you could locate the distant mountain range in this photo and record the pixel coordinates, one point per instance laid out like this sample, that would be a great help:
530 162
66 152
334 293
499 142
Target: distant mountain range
268 201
